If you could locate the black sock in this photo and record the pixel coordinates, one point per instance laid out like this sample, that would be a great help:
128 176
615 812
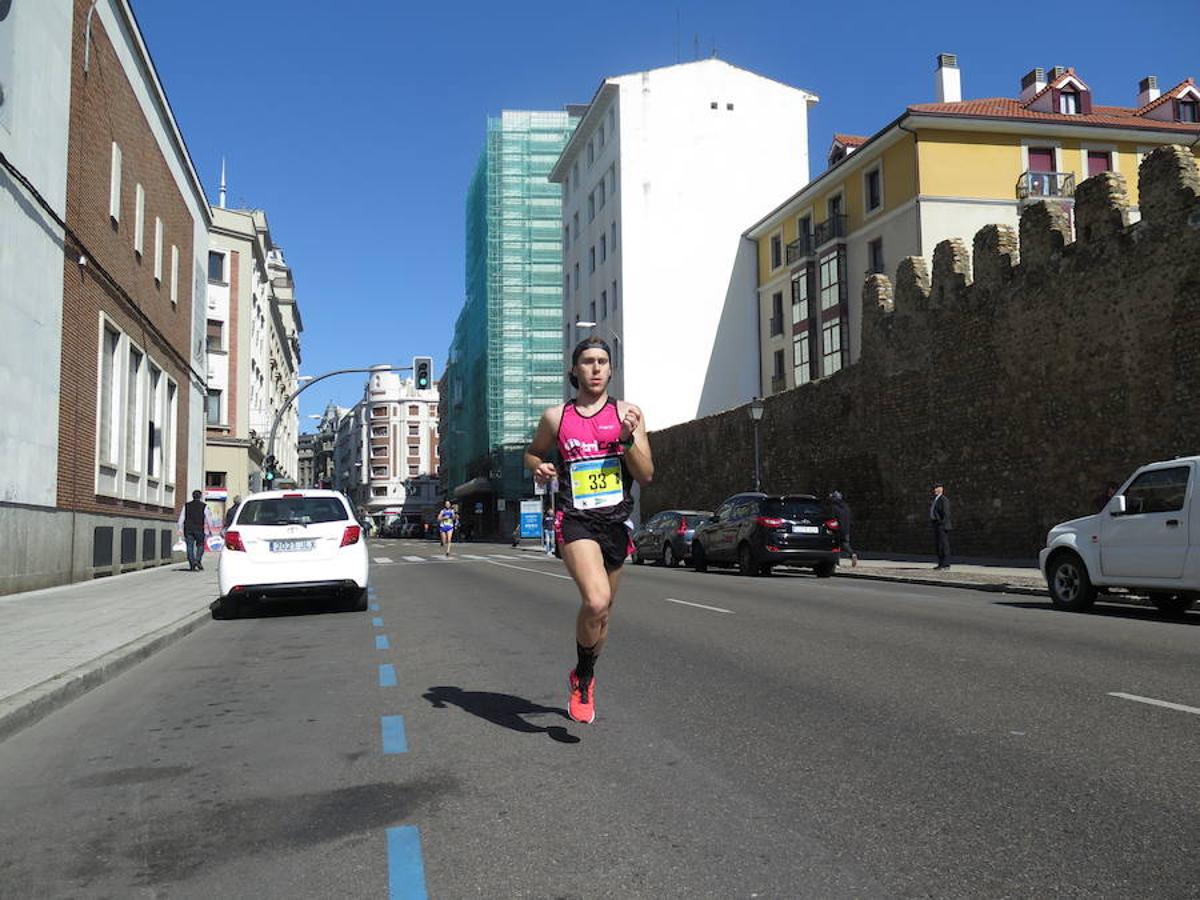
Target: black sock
585 668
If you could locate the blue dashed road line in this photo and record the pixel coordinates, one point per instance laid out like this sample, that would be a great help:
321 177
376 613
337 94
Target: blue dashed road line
377 621
387 675
392 729
406 872
381 642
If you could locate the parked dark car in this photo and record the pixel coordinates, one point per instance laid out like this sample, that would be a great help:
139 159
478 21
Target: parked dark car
666 537
756 532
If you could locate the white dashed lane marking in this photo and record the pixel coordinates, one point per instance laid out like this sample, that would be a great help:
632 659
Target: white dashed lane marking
698 605
1165 704
382 559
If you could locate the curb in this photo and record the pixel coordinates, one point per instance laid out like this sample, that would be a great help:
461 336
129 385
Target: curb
993 587
35 703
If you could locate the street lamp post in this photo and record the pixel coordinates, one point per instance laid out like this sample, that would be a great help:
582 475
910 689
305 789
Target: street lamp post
309 381
756 412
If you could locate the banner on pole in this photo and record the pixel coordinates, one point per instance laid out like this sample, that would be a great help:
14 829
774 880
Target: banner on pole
531 518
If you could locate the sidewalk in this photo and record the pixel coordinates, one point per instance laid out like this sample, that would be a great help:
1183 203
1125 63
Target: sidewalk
1004 576
58 643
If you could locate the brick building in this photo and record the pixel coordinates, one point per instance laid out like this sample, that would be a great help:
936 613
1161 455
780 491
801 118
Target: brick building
114 406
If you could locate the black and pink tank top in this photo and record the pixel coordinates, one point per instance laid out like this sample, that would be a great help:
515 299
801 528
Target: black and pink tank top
596 483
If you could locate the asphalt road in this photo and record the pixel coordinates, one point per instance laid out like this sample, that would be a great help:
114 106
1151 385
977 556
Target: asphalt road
771 737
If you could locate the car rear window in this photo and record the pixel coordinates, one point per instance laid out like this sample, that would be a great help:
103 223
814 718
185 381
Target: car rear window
292 511
792 508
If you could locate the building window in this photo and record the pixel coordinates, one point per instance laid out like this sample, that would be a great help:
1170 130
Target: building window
831 346
612 179
214 342
158 244
154 424
216 267
379 471
139 219
875 265
379 452
591 152
604 304
575 226
804 228
414 410
212 407
1068 103
379 492
612 118
566 237
801 367
778 363
800 310
379 431
834 206
133 412
603 189
873 189
174 274
603 247
776 251
1098 161
114 184
379 412
777 313
414 429
108 394
714 105
830 282
613 294
576 277
592 258
169 431
575 176
413 470
567 284
592 311
1189 111
215 479
591 206
600 136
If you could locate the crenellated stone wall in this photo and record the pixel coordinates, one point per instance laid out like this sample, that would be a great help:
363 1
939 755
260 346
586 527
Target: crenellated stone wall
1025 374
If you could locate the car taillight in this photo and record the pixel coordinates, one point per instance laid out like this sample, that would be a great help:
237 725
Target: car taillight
769 522
832 524
233 541
351 535
682 527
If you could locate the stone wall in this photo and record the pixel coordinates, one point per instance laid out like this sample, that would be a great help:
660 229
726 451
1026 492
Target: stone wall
1057 367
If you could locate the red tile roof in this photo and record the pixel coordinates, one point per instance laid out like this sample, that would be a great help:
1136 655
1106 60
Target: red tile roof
1165 96
1008 108
850 140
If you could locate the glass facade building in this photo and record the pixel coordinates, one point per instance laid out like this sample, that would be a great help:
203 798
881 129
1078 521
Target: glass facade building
505 361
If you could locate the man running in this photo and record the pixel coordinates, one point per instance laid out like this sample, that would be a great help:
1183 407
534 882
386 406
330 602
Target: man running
602 444
446 521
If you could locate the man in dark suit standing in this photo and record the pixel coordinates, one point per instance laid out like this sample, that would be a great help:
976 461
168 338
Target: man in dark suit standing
939 518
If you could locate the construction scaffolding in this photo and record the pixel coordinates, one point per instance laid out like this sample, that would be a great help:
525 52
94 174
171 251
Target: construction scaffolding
505 362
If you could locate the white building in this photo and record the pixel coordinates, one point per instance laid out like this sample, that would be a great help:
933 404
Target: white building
386 451
253 329
659 179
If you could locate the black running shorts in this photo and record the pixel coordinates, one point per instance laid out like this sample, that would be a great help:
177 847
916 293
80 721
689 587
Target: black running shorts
613 538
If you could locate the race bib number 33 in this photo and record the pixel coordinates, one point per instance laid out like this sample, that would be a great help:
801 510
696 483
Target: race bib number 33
597 483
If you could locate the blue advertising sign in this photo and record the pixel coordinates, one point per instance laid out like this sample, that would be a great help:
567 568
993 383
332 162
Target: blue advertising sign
531 518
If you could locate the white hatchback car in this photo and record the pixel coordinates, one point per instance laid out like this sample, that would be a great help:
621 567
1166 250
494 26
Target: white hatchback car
293 544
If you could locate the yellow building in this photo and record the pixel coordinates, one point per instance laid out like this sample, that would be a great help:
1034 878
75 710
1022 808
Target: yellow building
940 170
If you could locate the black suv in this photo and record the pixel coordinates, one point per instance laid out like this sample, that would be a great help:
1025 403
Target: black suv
756 532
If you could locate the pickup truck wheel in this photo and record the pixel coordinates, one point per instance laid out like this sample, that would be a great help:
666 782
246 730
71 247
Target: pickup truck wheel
1172 605
1070 587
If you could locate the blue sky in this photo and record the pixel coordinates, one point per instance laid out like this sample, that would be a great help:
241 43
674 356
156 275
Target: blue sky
357 126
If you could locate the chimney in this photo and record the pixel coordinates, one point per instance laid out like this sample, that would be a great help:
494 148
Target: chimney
1033 82
1057 72
947 80
1148 90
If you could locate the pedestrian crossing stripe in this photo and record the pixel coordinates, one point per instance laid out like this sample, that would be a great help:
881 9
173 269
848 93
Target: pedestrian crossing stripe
382 559
530 557
418 558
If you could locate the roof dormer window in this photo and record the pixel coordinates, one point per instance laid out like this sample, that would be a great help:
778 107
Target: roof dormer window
1068 103
1188 111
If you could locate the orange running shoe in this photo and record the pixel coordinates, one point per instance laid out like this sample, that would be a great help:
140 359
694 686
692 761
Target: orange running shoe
582 704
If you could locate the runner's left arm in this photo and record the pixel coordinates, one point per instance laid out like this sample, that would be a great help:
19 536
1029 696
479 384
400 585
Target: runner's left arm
637 454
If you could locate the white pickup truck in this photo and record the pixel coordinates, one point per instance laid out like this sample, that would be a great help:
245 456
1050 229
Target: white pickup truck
1146 540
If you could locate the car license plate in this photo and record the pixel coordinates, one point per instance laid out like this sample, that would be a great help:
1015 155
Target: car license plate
291 546
805 529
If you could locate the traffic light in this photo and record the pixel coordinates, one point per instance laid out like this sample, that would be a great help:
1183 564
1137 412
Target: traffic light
268 473
423 372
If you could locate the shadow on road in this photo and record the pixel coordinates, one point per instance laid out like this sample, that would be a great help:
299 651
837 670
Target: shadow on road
504 710
1111 611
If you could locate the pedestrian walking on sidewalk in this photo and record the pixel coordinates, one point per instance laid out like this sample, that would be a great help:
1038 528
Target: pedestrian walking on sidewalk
939 519
841 511
232 511
601 442
195 524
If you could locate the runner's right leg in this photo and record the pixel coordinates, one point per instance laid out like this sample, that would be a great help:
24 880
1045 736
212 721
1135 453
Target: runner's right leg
585 563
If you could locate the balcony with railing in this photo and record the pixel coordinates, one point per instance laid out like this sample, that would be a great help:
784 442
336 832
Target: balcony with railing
800 248
1045 186
831 228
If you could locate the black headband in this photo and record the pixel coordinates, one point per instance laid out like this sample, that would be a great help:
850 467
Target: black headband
587 344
